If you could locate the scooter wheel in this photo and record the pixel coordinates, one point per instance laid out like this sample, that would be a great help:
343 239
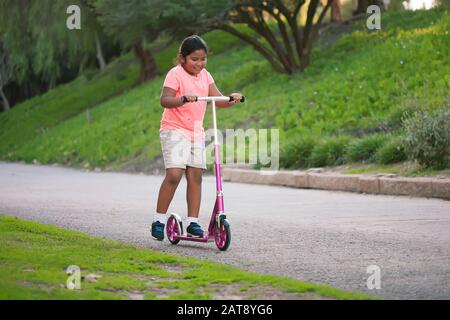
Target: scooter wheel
223 235
172 230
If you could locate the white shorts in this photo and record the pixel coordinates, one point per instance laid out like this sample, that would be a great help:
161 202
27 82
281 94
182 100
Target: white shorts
179 152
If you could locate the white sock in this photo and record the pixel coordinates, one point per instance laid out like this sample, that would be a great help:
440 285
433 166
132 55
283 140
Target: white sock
161 217
191 219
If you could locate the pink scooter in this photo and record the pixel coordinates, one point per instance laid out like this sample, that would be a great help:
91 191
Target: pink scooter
219 227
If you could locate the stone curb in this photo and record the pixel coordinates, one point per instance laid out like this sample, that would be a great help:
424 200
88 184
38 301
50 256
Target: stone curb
371 184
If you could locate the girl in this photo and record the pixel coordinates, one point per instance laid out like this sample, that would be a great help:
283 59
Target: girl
181 132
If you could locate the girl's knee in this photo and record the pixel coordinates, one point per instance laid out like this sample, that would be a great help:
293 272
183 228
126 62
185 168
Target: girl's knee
194 175
173 176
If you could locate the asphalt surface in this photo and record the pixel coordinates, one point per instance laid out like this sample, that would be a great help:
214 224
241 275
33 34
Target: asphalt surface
312 235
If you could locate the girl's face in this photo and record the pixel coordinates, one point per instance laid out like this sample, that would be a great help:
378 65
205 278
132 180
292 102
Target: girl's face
195 62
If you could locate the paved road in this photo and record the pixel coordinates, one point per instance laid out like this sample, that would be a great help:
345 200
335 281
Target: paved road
318 236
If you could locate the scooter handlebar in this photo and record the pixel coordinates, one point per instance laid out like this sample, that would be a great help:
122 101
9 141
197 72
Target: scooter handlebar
218 98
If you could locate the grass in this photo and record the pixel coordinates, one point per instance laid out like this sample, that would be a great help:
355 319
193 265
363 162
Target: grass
34 259
406 169
41 114
359 86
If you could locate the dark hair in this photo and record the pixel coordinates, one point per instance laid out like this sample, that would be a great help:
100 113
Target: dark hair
189 45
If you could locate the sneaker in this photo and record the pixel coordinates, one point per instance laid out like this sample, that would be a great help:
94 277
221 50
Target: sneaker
158 230
195 230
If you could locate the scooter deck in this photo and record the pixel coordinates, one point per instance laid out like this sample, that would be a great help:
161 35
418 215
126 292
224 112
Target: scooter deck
205 238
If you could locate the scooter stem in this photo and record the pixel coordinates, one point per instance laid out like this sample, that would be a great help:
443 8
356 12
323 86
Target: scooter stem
219 207
219 202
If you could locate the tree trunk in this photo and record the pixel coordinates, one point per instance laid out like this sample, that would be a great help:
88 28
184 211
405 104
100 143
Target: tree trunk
256 45
363 4
304 59
282 55
307 34
361 7
148 66
311 32
336 15
100 58
6 106
255 21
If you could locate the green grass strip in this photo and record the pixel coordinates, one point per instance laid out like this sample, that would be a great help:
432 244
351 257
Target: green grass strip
34 258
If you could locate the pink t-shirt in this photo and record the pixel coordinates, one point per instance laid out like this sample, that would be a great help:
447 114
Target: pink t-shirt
188 118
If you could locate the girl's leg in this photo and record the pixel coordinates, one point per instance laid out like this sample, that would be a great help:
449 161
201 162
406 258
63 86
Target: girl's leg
168 188
194 190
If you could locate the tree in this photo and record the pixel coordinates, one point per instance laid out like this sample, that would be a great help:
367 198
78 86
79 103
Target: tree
285 43
43 50
98 34
131 23
336 15
6 74
35 33
362 6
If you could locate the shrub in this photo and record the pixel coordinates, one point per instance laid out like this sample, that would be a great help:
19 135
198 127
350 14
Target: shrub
296 152
427 137
394 118
330 152
391 152
365 148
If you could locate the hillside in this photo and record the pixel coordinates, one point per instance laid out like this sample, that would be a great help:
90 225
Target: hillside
356 89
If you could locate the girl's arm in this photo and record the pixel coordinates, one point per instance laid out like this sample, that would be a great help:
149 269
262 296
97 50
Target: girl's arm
214 92
169 100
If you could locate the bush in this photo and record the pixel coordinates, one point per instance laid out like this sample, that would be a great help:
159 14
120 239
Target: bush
427 137
330 152
394 118
391 152
296 152
365 148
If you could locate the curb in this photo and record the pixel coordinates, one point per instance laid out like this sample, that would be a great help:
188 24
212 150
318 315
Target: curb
369 184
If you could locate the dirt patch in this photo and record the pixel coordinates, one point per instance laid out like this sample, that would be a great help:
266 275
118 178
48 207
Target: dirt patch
164 292
160 293
151 284
232 292
173 268
40 286
139 276
237 292
135 295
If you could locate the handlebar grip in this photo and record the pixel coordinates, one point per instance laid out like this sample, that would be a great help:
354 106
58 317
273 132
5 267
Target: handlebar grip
242 99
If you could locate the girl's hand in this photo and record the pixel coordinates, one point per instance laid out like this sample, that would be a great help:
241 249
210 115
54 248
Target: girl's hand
189 98
236 98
